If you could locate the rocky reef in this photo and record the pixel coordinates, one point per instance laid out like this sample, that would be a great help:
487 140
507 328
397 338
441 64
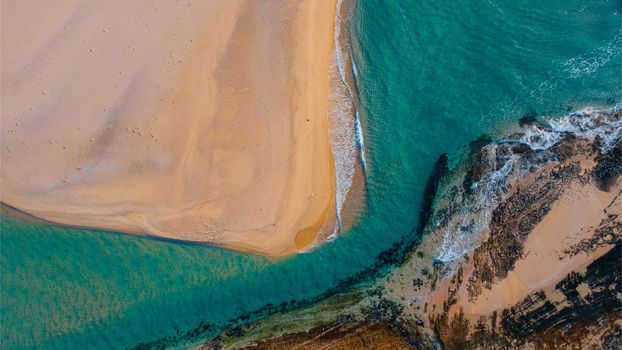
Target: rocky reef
520 248
544 273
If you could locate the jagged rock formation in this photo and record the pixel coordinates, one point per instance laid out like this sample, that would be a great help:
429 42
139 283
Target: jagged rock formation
512 221
539 220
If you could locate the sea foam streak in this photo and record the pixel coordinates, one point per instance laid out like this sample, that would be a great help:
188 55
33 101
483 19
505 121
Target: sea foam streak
578 124
345 129
468 217
592 61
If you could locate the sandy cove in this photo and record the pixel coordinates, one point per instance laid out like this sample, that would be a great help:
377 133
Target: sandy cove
555 226
572 220
543 273
550 252
202 121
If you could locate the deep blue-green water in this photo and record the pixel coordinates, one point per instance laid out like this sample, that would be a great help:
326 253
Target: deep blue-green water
433 75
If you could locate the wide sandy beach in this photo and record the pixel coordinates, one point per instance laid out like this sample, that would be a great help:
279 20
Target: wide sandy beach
202 121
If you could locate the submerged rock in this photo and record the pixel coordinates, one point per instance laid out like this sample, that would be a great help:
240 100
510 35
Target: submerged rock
491 222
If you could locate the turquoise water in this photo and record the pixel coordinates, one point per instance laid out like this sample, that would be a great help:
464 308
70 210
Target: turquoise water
432 76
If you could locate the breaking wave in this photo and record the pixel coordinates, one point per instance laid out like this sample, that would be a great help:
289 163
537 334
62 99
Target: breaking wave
590 62
464 216
345 132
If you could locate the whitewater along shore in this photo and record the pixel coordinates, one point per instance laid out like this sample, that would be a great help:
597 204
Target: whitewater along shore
196 121
521 250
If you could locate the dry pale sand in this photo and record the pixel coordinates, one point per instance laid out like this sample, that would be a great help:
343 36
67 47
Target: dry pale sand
203 121
572 219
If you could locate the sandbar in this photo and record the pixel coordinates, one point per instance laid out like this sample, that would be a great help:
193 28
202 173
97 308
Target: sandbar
200 121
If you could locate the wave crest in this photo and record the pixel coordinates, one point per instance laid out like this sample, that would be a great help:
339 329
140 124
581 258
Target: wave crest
463 217
345 132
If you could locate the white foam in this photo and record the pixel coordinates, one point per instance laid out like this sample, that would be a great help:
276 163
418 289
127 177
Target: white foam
359 139
346 135
343 146
591 61
467 224
588 124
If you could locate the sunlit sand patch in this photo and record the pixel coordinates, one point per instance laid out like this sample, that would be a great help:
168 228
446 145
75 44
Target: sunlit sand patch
196 121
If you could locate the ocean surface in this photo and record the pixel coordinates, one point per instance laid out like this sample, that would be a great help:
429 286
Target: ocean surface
432 76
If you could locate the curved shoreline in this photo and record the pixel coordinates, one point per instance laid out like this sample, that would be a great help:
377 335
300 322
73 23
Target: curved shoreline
215 162
538 222
345 129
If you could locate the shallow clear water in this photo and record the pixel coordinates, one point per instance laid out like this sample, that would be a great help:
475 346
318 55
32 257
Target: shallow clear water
432 76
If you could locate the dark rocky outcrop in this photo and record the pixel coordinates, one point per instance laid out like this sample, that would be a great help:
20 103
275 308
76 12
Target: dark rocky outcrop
512 221
608 232
476 161
528 119
608 168
582 309
537 316
571 320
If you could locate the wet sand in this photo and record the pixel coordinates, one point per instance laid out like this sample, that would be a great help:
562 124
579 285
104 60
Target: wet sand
196 121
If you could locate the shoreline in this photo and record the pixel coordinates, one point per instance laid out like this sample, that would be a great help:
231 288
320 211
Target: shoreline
551 220
300 208
492 295
345 130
